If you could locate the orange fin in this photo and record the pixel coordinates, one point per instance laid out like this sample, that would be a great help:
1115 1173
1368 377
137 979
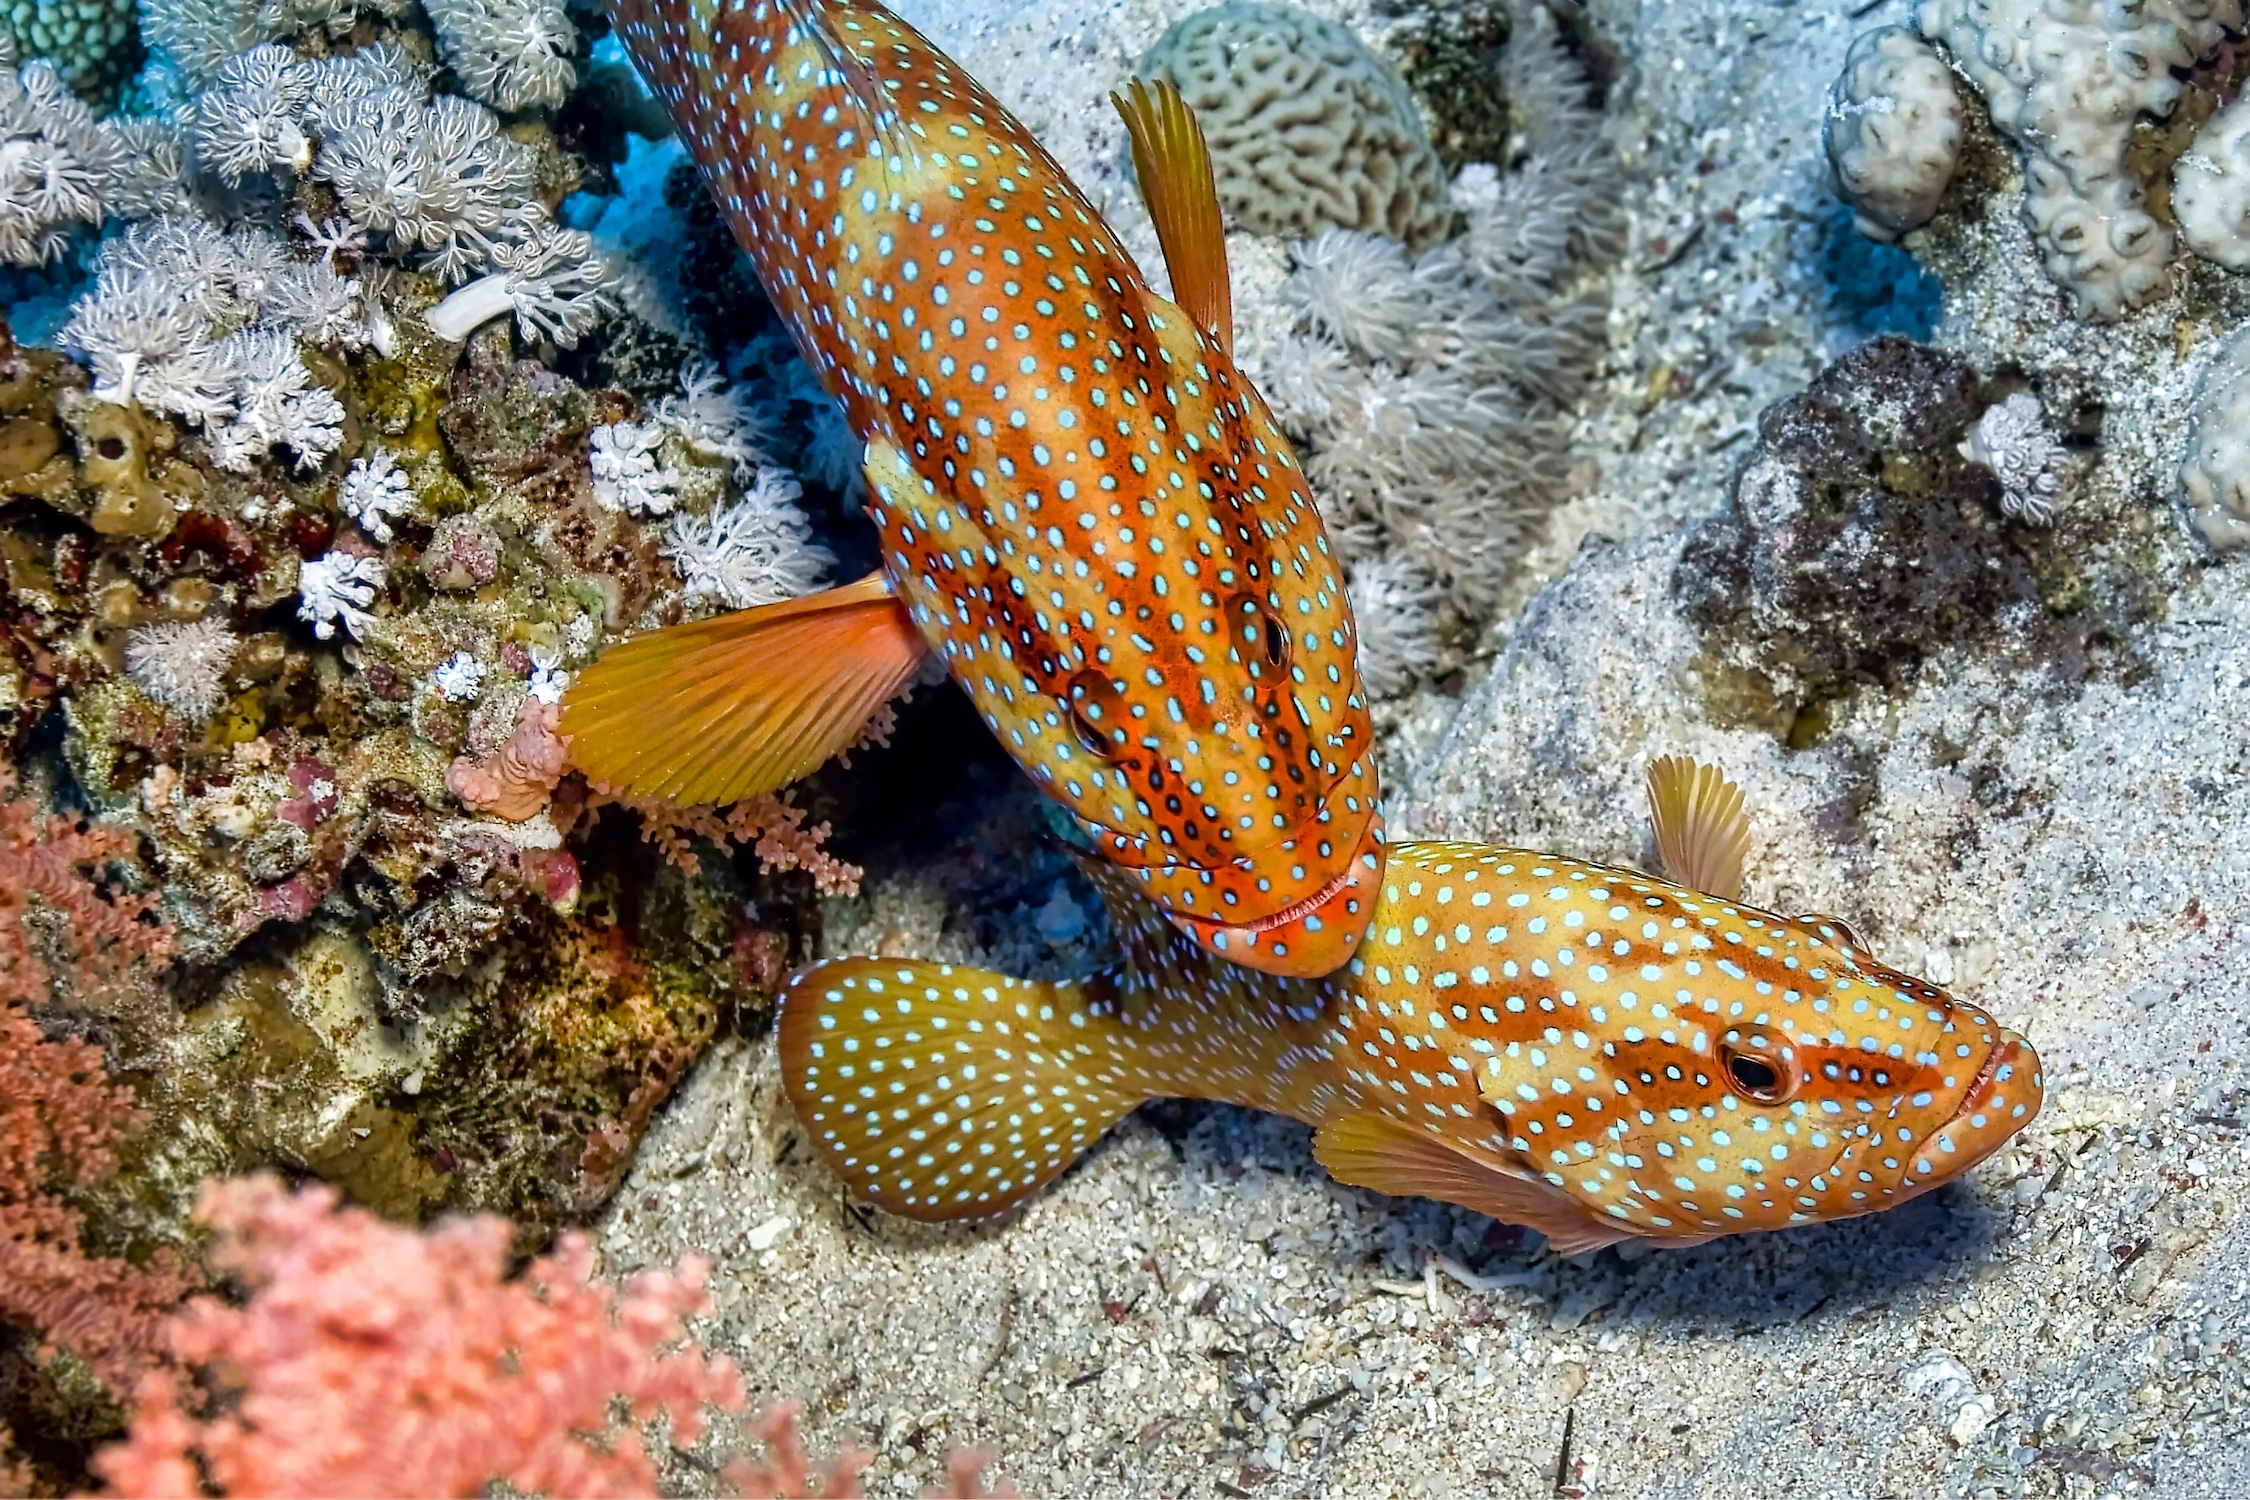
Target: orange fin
939 1092
1702 828
1173 163
745 703
1392 1156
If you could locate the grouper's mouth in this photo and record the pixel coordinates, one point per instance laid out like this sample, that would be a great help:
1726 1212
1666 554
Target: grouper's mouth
2001 1099
1313 935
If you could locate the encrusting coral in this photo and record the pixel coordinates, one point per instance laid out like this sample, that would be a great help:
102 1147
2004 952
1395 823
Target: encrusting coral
1892 131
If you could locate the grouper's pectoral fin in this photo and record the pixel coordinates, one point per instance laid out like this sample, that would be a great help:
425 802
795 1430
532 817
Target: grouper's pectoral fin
1395 1157
1173 163
1702 828
745 703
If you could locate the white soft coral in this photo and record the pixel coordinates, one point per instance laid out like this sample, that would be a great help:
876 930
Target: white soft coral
512 54
339 589
551 280
374 491
755 551
628 475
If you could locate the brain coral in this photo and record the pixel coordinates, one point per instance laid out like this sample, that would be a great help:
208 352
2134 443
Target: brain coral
94 44
2065 79
1893 131
1309 130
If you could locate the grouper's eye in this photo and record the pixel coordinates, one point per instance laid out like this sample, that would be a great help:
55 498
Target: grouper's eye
1093 714
1755 1077
1259 632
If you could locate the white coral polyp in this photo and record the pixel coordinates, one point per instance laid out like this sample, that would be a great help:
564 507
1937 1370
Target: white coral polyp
512 54
182 663
755 551
551 281
375 490
338 589
627 475
2013 441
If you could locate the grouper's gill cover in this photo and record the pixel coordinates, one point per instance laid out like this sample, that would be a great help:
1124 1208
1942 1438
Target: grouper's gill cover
1082 503
1590 1051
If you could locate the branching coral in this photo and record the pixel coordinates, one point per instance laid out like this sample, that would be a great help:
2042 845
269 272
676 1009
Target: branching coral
768 825
421 1367
62 1120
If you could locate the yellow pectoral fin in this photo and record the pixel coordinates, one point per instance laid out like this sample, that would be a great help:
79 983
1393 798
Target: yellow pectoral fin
1394 1157
727 708
1173 163
1702 828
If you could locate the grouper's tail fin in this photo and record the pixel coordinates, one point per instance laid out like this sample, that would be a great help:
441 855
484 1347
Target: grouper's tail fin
940 1092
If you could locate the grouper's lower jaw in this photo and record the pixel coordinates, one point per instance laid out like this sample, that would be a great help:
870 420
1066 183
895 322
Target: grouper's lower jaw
1313 935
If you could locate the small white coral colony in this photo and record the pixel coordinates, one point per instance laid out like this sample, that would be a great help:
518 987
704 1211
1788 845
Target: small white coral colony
2211 189
1309 130
2216 472
2065 80
182 664
1893 131
2013 441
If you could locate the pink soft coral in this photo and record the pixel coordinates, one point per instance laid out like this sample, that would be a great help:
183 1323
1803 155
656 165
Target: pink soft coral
62 1119
519 781
373 1359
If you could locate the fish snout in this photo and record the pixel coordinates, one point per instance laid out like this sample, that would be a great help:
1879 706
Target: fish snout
1307 923
2001 1100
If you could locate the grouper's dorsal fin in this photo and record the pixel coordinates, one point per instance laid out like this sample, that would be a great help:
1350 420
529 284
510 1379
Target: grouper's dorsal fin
1702 828
1173 163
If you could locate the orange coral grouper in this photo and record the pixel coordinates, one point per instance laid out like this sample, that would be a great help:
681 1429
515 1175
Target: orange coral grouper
1083 505
1592 1052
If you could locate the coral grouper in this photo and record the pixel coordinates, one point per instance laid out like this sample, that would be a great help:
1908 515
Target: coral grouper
1591 1052
1083 505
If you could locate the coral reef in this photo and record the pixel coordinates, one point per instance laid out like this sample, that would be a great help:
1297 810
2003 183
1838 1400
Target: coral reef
1309 130
2067 83
301 552
1432 395
1893 131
